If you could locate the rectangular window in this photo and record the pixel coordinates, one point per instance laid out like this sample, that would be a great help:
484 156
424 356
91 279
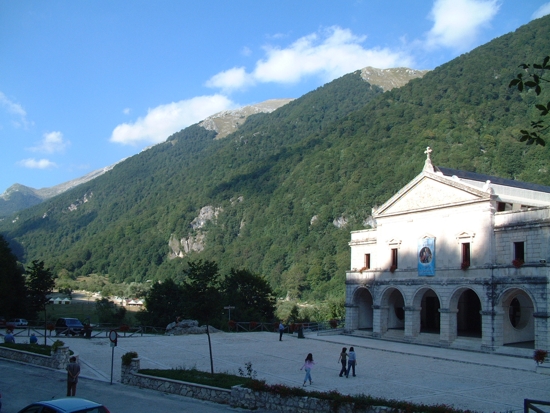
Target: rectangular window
519 251
466 253
394 258
367 261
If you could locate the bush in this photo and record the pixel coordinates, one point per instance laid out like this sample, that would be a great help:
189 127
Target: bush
56 344
127 357
539 356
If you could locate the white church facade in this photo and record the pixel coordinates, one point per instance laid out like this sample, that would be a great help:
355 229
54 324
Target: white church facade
455 254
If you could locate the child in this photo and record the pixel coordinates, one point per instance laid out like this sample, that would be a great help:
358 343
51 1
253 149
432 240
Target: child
308 365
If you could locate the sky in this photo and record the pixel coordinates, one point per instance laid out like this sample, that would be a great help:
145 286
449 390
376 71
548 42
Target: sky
84 84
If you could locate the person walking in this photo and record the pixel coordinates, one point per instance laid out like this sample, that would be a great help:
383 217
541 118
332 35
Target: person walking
281 330
308 365
73 371
352 362
343 359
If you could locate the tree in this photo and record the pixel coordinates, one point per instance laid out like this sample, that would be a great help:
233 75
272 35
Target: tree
109 312
40 284
12 283
533 80
202 291
250 294
163 302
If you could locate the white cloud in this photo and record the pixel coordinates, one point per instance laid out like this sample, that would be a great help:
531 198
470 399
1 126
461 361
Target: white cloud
14 109
541 11
164 120
126 111
329 54
231 79
53 142
458 22
32 163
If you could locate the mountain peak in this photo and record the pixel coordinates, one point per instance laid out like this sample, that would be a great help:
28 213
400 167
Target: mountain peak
388 79
228 121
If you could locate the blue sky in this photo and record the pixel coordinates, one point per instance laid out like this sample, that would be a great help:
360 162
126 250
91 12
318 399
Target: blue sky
84 84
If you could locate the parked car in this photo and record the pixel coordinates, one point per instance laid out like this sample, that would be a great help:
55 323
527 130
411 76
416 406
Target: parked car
68 326
3 322
19 322
68 405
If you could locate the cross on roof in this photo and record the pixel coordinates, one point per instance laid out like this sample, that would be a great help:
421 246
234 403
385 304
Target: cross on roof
428 151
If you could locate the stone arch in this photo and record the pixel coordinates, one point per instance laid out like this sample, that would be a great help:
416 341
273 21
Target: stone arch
518 324
427 300
394 301
467 306
362 299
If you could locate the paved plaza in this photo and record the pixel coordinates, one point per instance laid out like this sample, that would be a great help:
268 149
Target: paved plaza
420 374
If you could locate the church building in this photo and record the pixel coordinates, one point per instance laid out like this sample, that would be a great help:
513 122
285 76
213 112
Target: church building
455 259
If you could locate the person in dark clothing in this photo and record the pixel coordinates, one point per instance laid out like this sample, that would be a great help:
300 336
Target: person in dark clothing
343 359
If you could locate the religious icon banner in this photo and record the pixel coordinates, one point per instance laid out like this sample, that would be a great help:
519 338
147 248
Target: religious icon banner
426 257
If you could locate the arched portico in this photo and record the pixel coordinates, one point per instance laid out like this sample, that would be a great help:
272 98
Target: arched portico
428 302
515 311
391 311
467 304
462 317
362 299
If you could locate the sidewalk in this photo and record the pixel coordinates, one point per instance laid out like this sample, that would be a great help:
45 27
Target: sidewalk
467 380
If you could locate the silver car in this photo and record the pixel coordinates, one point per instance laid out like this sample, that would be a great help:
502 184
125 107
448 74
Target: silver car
68 405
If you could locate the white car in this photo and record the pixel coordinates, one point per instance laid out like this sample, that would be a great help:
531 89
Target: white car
19 322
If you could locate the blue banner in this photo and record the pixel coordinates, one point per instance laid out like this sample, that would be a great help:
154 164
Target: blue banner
426 257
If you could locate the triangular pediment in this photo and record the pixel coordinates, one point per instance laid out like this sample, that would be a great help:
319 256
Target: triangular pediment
430 191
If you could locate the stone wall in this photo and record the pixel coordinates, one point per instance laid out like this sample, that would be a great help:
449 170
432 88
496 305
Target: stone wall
130 376
58 360
238 396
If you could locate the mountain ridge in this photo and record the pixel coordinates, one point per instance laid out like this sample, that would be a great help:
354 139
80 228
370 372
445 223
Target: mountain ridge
281 195
18 197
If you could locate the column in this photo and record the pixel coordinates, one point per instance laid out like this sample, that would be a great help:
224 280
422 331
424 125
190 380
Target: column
351 317
542 330
412 322
492 333
379 320
448 326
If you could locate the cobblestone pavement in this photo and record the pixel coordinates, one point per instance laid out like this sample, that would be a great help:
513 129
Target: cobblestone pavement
467 380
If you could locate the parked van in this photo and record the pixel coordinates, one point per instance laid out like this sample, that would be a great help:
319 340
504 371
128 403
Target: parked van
68 326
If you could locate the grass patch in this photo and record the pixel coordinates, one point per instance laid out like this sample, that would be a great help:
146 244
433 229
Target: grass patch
222 380
31 348
360 402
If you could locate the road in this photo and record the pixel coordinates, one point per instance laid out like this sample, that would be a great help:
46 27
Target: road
22 384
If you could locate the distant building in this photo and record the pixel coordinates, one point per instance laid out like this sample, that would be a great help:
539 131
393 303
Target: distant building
455 257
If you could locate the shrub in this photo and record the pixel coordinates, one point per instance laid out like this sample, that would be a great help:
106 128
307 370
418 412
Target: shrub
56 344
127 357
539 356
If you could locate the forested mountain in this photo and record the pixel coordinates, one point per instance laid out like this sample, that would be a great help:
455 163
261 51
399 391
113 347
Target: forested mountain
280 195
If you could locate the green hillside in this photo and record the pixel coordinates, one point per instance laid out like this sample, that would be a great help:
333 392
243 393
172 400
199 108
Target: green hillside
290 185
